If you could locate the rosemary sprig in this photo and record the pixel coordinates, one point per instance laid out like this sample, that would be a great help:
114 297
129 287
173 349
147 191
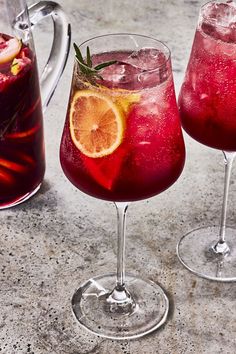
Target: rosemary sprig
86 67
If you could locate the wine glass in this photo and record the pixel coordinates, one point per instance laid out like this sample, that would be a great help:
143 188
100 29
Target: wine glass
122 142
207 105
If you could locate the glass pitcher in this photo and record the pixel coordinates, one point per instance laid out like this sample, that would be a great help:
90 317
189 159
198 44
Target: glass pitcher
22 159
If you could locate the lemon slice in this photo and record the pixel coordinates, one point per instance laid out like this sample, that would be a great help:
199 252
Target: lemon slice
127 100
9 50
124 98
96 124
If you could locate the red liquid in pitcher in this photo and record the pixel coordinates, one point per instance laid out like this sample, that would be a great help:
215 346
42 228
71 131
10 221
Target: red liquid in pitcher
150 155
22 162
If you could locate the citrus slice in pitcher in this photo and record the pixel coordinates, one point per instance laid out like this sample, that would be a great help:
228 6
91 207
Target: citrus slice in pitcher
96 124
9 49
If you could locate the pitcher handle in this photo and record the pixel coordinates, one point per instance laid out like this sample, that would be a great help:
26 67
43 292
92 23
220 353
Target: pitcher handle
60 47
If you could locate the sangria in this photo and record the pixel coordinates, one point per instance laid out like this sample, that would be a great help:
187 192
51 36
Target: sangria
122 142
22 158
207 104
130 146
22 162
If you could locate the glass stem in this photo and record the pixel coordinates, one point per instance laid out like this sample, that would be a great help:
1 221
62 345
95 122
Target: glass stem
120 300
121 222
221 246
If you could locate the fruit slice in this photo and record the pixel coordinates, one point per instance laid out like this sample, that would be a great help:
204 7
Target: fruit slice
5 177
18 64
13 166
105 171
127 100
96 124
122 97
9 50
25 134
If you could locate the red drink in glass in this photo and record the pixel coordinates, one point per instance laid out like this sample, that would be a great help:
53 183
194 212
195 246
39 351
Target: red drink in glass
151 154
122 141
207 99
22 162
207 105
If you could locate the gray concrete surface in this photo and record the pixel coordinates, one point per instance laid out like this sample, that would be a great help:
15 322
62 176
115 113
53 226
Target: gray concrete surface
61 237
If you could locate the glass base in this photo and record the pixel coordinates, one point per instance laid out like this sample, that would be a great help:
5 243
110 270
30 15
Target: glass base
93 310
21 199
196 251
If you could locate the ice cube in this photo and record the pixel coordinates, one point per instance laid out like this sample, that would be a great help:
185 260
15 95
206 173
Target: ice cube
226 14
120 74
152 64
141 69
219 21
208 28
147 59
